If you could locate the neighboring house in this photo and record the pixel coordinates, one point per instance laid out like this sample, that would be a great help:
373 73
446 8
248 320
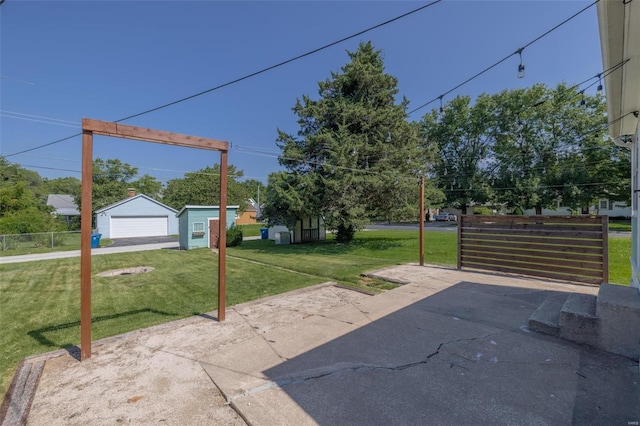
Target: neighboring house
249 215
198 225
64 206
136 216
603 207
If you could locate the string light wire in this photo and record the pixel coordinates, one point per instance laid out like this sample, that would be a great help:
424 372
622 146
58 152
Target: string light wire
490 67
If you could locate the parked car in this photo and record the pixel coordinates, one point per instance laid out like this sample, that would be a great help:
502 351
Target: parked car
445 217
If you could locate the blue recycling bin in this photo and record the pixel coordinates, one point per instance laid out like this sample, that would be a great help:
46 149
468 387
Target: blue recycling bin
264 233
95 240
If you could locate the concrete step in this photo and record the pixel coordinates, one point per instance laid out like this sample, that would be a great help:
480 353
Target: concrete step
618 310
546 319
578 320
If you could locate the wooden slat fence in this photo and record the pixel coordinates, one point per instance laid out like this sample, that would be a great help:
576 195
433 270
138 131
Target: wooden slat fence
573 248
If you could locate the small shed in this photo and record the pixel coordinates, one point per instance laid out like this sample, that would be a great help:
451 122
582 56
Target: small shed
309 229
136 216
198 225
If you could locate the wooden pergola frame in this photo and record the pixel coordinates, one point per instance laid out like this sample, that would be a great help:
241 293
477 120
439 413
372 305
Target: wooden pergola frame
91 127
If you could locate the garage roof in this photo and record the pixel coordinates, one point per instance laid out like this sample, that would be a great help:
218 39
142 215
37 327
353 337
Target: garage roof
126 200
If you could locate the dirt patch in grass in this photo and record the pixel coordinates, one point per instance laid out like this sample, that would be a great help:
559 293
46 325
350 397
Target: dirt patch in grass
126 271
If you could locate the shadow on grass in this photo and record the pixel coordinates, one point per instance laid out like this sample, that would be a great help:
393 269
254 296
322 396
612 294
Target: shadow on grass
40 334
322 248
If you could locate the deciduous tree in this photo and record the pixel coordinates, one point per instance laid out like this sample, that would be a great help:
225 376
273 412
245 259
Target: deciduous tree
202 187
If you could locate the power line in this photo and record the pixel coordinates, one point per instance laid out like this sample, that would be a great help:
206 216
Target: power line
42 146
38 116
247 76
517 52
3 114
279 64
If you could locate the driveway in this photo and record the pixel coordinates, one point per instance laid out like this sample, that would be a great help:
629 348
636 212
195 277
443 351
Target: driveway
138 241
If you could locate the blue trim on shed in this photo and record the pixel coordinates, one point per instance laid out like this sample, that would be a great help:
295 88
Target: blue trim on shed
190 214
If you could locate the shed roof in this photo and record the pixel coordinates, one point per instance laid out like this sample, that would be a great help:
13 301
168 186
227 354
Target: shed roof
203 208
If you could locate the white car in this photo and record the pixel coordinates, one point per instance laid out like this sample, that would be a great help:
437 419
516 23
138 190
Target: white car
445 217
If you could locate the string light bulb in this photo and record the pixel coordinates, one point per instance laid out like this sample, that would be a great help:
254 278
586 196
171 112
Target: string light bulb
582 101
441 108
521 66
599 90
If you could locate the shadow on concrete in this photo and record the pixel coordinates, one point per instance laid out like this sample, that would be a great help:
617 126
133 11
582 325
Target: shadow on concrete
461 356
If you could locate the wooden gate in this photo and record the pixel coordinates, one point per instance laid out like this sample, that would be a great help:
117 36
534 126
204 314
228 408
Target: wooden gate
572 248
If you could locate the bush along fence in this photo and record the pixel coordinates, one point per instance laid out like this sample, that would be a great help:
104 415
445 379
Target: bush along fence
9 242
572 248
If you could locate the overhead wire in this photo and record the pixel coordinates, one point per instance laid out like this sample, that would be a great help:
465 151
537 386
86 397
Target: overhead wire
490 67
267 153
247 76
279 64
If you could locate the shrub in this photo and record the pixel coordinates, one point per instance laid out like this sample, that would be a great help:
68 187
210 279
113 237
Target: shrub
482 210
518 211
234 236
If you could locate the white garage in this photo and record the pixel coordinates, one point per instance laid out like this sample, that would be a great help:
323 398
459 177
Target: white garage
136 216
139 226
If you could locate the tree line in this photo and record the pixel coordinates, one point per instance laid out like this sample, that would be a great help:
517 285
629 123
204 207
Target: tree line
357 157
23 192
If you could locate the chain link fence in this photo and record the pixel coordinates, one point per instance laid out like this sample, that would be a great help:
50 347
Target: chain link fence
20 242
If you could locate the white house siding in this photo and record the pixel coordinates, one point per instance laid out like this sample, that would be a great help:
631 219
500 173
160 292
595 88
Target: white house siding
136 216
604 207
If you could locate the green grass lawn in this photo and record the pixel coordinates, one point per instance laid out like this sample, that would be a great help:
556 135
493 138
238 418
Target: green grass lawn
252 230
39 301
620 225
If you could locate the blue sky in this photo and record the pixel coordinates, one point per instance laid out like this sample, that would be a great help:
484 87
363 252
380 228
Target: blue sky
64 60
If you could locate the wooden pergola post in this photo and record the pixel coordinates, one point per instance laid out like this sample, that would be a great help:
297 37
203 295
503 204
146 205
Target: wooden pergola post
85 245
421 221
91 127
222 233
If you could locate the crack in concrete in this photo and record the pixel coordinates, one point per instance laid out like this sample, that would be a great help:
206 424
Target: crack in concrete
281 383
262 336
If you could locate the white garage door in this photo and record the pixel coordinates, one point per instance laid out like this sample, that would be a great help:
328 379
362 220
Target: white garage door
139 226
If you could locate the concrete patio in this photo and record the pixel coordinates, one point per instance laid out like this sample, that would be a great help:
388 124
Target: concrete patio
447 347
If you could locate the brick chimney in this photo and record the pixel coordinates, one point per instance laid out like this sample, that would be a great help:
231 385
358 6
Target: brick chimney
131 192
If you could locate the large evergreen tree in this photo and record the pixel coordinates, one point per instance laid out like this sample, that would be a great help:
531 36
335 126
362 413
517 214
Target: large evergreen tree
355 157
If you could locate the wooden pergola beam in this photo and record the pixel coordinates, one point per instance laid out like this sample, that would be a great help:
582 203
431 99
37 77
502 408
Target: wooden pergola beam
125 131
91 127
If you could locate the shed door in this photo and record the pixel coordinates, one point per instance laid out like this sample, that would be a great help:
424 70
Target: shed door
214 231
139 226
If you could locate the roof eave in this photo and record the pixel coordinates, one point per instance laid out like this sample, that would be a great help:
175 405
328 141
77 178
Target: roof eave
620 41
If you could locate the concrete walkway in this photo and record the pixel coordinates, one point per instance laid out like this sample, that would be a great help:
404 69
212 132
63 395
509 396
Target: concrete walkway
449 347
94 252
98 251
